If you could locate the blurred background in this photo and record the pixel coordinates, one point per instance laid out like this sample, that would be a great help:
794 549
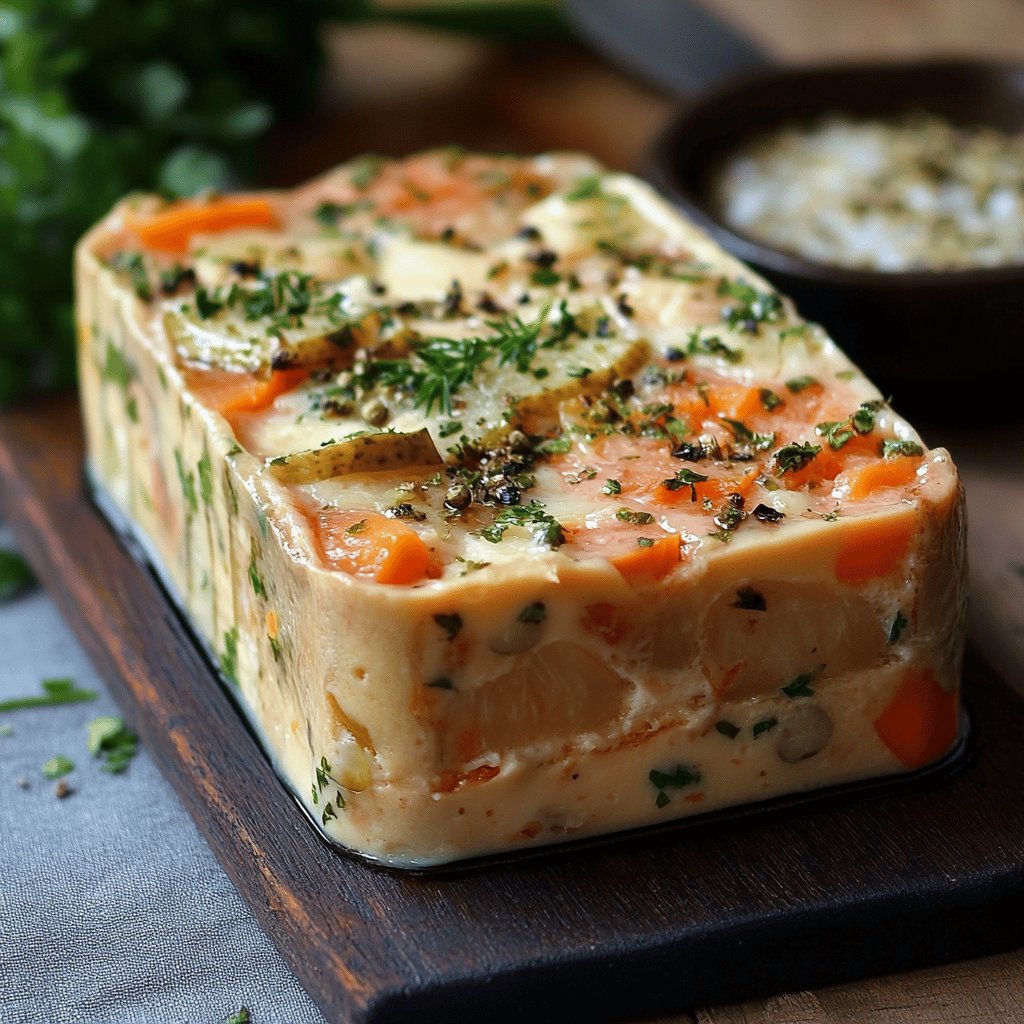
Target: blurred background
101 97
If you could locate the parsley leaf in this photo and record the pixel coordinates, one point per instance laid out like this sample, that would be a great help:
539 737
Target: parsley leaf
15 575
795 456
899 624
450 623
109 739
544 528
892 447
57 767
55 692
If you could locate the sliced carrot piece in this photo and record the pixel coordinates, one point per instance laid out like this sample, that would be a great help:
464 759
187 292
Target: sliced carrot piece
232 393
715 489
921 722
826 465
873 548
371 545
650 563
735 401
171 230
885 473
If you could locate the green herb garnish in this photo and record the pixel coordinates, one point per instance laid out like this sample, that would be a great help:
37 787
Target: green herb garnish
799 687
15 575
752 307
892 447
108 738
727 729
55 692
798 384
57 767
765 725
229 656
611 487
684 478
628 515
544 528
534 614
679 777
792 457
450 623
899 624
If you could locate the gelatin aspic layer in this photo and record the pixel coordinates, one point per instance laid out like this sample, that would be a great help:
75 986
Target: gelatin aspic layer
516 510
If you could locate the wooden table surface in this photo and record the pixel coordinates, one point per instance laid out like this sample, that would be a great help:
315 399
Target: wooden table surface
396 89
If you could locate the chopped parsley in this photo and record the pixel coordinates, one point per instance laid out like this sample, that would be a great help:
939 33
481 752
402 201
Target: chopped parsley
240 1016
441 683
684 478
751 600
55 692
769 399
752 307
800 686
798 384
255 579
109 739
450 623
205 471
57 767
15 575
899 624
628 515
229 657
611 487
679 777
365 171
544 528
586 188
792 457
727 729
534 613
892 447
545 277
765 725
712 346
133 266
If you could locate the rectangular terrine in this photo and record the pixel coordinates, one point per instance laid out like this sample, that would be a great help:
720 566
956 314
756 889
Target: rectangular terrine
516 510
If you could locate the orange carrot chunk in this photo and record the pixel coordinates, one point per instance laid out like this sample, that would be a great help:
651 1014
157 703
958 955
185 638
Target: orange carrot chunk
920 724
873 549
171 230
884 473
652 562
370 545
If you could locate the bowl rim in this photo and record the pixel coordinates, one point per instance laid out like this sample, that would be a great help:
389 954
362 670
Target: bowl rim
662 164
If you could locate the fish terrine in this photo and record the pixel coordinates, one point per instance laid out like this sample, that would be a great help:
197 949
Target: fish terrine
513 508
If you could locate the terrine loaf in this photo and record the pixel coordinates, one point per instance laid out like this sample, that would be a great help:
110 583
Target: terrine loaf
516 510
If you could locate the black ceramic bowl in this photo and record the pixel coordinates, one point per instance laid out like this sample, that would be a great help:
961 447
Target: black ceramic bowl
937 339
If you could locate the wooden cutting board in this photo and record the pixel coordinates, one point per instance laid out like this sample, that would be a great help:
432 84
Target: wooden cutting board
800 893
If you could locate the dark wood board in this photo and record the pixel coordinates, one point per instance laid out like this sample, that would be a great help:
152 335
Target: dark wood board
800 894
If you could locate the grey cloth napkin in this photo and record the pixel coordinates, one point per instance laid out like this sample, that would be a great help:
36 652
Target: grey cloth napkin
112 908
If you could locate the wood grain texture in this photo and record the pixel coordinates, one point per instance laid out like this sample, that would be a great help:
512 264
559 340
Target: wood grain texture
988 991
715 911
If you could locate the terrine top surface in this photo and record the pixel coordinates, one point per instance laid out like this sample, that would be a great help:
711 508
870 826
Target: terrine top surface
453 365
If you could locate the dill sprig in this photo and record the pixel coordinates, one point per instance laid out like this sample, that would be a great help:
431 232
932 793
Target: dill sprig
439 367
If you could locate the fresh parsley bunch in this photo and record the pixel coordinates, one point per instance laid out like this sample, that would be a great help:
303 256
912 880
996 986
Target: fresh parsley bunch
100 97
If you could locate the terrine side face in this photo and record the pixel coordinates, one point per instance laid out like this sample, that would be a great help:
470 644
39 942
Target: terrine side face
515 510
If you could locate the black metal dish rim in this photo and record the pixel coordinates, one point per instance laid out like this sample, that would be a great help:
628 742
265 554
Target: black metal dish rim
662 170
955 761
